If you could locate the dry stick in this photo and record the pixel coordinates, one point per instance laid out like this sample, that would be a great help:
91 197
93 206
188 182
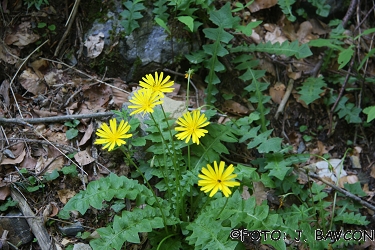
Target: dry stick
83 73
192 84
359 25
71 18
26 121
36 224
349 13
343 191
340 95
25 140
285 98
18 70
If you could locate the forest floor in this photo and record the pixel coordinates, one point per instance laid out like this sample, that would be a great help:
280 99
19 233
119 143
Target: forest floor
43 94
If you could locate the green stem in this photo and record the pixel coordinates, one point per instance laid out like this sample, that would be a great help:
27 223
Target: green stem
174 159
222 209
149 186
165 238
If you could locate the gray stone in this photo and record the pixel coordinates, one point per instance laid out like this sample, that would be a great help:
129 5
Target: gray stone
147 45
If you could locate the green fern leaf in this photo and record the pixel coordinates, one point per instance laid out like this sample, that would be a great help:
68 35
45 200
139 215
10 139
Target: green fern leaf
286 8
351 218
213 145
127 227
311 89
131 15
286 48
105 189
277 165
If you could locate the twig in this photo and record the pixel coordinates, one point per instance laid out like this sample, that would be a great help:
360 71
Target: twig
343 191
83 73
192 84
24 140
349 13
339 96
18 70
25 121
36 224
285 98
71 18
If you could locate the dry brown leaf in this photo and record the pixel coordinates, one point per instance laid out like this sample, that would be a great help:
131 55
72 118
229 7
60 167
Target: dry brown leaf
55 76
22 36
277 92
261 4
4 192
87 134
31 82
288 28
235 108
267 65
351 179
245 193
94 45
65 195
292 74
9 55
19 159
304 32
4 92
119 97
44 113
372 174
274 35
47 165
29 162
318 27
368 192
259 192
40 67
83 158
97 96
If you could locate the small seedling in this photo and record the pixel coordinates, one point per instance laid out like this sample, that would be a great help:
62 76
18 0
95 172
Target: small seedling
73 131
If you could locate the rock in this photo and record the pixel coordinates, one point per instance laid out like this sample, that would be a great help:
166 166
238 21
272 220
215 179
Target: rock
81 246
71 229
148 45
19 230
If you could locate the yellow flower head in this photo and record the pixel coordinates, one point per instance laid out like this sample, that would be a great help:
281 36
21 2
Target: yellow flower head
191 126
144 100
157 84
110 136
216 178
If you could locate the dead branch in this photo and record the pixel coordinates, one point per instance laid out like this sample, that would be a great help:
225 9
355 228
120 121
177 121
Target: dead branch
36 224
72 16
349 13
340 95
25 140
343 191
25 121
285 98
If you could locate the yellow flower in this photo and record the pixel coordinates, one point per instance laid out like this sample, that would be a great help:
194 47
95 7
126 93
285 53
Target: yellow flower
110 136
217 179
144 100
191 126
157 84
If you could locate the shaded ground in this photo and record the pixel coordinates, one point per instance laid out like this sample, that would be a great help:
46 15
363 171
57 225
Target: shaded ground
78 91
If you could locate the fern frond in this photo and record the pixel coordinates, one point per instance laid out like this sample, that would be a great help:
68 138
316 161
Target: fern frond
286 8
286 48
105 189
